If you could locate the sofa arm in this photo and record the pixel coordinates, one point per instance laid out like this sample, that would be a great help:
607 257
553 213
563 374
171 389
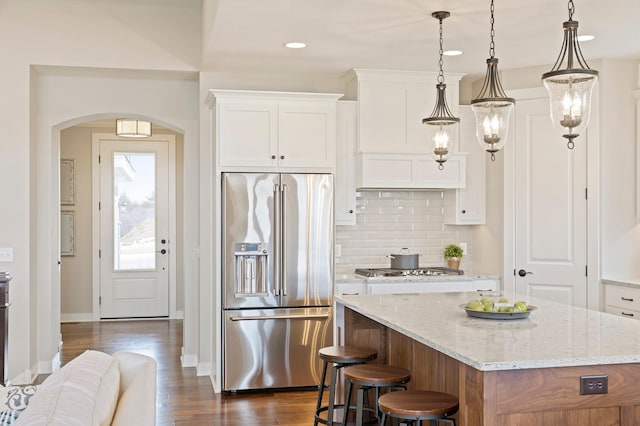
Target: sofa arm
137 400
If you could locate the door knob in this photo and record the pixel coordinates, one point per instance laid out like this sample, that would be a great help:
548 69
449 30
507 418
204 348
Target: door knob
522 272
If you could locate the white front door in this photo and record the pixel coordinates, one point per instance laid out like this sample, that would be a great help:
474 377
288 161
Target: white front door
550 209
134 228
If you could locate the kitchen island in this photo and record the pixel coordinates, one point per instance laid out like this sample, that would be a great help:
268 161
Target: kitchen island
508 372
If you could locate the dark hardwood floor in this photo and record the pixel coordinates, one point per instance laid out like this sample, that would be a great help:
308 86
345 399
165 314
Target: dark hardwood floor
184 399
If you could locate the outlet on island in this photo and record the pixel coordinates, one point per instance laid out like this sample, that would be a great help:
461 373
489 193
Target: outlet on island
590 385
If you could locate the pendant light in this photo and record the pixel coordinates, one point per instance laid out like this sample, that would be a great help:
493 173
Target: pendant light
132 128
492 108
442 126
570 84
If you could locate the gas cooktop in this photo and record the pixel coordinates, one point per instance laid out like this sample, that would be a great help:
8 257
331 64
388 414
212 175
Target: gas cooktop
426 271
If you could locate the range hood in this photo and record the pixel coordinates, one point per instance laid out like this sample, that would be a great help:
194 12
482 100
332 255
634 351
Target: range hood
409 171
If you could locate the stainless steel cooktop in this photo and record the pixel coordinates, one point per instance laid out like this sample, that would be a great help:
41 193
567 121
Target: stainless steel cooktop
425 271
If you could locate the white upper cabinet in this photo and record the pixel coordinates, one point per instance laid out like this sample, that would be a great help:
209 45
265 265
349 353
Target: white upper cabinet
345 177
391 106
467 206
274 131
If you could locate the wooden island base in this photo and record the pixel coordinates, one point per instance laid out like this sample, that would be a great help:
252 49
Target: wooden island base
531 397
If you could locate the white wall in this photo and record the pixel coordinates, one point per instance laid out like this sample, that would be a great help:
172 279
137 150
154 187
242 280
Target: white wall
620 229
108 34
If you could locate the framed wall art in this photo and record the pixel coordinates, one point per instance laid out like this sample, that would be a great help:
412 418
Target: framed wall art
67 237
67 183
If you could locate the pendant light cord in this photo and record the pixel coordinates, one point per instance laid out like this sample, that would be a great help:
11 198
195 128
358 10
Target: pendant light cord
440 62
572 9
492 45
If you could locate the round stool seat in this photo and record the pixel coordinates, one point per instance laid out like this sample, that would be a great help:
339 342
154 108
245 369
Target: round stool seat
377 375
418 404
347 354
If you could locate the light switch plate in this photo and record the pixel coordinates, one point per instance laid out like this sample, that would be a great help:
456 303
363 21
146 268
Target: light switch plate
6 254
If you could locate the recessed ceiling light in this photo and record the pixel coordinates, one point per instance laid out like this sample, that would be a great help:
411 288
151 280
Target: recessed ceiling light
295 45
586 37
452 52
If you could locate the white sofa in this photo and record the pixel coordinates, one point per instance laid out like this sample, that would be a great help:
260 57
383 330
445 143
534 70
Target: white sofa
96 389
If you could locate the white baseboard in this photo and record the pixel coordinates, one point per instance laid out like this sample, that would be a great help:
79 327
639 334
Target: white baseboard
86 317
189 360
203 369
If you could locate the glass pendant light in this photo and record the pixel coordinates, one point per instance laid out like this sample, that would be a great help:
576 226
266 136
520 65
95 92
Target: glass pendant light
442 126
570 84
492 108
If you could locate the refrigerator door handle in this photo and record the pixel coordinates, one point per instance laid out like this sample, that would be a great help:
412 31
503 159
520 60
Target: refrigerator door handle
277 317
277 240
283 253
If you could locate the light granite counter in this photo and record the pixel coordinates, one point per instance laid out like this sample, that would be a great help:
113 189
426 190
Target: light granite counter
633 283
351 278
554 335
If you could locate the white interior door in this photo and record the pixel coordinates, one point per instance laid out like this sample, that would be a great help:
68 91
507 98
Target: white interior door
550 209
134 228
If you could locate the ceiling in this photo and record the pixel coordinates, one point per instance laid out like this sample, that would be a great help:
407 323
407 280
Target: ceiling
248 35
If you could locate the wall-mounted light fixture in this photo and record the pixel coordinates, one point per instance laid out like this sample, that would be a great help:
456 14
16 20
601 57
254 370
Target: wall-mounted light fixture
131 128
442 126
570 84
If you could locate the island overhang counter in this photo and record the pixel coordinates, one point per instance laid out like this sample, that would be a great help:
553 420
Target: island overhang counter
508 372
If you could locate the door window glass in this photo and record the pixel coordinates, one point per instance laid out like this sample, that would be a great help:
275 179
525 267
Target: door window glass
134 211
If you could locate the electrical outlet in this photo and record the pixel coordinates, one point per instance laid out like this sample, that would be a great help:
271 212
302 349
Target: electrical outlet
463 246
338 252
590 385
6 254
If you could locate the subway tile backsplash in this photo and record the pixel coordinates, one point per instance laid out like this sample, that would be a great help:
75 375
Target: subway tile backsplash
386 221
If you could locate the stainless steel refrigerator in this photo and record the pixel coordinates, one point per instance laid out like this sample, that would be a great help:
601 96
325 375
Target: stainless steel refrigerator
277 237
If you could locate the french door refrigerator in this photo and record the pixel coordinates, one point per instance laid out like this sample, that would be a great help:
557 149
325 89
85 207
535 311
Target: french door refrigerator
277 244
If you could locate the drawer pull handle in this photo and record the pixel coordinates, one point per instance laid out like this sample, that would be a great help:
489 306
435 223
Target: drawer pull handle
350 294
626 314
630 299
486 289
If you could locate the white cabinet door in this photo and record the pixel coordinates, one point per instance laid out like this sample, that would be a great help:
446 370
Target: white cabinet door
345 177
467 206
306 135
247 134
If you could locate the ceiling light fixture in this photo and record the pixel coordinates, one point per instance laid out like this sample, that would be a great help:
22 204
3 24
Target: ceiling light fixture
442 126
492 108
132 128
295 45
570 83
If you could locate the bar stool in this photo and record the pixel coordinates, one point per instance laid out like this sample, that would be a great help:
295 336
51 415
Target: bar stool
340 356
418 405
372 376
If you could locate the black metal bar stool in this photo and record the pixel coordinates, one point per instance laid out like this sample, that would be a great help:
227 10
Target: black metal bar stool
372 376
418 405
340 357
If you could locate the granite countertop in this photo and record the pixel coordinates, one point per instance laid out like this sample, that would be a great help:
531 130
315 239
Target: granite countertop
635 283
554 335
350 278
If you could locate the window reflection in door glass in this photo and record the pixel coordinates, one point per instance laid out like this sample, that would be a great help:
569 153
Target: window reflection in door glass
134 211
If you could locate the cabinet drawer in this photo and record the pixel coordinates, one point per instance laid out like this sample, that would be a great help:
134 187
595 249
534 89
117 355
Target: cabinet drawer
622 297
627 313
350 288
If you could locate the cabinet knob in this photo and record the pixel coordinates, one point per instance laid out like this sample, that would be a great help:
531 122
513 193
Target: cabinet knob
273 157
464 211
282 157
350 211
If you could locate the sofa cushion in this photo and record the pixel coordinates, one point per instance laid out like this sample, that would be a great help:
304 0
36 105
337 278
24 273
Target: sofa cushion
84 392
